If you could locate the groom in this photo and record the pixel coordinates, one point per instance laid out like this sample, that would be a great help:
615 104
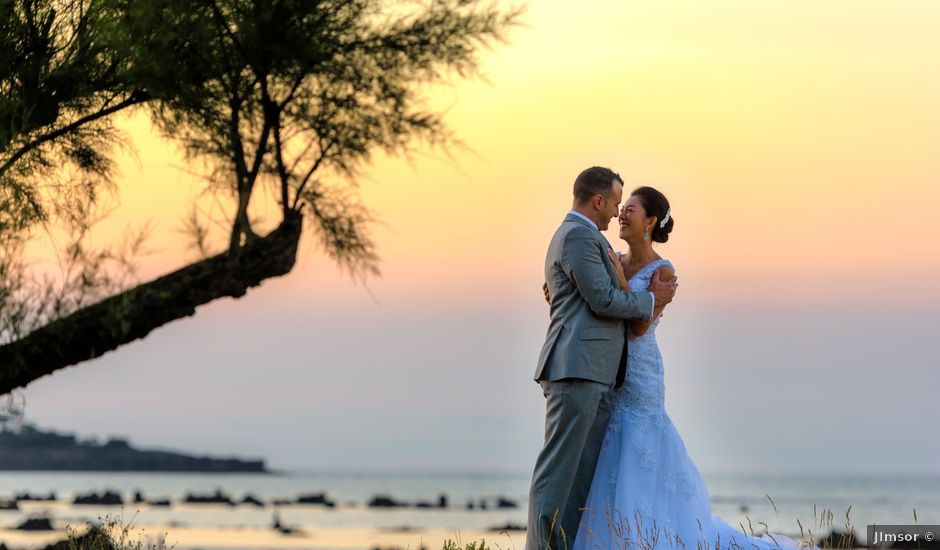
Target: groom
583 357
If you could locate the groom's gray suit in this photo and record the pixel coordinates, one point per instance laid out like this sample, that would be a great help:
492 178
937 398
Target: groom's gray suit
578 365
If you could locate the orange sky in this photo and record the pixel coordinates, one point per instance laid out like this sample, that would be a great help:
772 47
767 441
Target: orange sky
790 141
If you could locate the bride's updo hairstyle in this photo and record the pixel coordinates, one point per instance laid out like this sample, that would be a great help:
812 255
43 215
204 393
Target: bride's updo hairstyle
655 204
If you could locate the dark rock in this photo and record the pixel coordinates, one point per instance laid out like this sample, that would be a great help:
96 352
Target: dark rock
9 505
283 529
382 501
423 504
504 503
159 502
36 524
217 498
138 497
251 499
482 504
837 538
108 498
316 498
442 501
27 496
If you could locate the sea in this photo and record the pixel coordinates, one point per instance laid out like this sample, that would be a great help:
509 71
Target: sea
782 502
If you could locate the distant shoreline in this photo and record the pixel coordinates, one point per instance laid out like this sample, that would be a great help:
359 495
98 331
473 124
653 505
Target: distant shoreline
32 449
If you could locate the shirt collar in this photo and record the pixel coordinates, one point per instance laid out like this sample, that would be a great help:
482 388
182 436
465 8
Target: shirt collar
583 217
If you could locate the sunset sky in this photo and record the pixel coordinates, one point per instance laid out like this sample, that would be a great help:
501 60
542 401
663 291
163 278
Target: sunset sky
797 143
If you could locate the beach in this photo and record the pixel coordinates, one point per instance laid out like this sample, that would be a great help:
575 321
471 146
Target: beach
354 522
253 537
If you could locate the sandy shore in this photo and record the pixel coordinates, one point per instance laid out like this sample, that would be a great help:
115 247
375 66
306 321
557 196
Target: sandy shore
319 538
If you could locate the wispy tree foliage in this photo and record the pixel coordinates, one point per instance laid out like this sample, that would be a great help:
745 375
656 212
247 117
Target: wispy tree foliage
284 97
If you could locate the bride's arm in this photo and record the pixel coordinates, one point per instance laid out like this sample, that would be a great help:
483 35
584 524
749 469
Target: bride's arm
639 328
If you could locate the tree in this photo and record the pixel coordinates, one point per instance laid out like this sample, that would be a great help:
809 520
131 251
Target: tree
288 97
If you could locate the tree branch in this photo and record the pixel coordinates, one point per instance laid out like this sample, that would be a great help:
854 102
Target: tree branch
99 328
135 98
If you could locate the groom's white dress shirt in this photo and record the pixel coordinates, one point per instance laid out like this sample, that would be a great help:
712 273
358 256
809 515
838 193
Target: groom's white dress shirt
585 218
592 222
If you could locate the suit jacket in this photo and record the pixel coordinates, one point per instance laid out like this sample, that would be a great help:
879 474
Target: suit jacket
586 335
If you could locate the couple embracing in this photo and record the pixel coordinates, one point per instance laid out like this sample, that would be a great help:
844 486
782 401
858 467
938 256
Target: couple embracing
613 471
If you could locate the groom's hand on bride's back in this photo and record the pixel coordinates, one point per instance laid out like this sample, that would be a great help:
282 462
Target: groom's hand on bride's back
663 290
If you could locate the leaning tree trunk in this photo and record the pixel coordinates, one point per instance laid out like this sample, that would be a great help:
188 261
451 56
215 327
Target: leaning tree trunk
99 328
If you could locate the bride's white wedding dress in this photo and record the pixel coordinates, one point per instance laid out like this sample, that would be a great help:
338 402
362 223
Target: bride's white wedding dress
646 492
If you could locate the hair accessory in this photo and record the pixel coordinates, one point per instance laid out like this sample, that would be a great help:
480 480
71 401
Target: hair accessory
662 224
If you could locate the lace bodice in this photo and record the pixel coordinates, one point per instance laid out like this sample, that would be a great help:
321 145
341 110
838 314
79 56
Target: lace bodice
640 404
644 389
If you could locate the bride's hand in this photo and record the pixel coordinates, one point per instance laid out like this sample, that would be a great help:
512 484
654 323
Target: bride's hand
548 298
618 269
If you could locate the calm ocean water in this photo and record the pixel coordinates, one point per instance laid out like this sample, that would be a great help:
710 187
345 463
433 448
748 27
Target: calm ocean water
874 499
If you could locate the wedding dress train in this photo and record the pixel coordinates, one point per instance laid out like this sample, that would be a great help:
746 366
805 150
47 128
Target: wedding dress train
646 492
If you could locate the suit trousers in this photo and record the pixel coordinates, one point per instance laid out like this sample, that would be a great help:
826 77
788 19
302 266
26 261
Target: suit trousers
576 417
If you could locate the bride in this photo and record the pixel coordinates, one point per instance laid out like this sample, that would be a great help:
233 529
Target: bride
646 492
